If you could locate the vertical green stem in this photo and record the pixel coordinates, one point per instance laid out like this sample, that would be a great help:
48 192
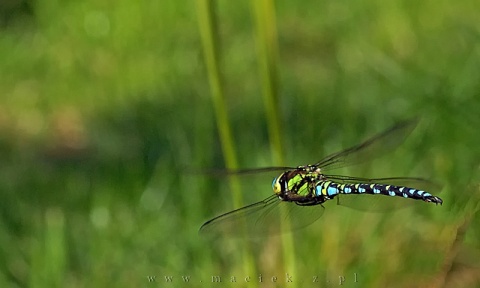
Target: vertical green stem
267 47
207 25
208 33
268 58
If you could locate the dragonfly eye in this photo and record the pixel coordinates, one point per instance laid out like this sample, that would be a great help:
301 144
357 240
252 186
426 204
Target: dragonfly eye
276 185
274 182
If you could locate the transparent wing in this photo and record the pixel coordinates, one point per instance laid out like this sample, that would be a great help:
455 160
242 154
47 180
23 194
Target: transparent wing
262 218
374 147
383 203
226 172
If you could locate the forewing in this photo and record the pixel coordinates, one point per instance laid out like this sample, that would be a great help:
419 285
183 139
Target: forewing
228 172
374 147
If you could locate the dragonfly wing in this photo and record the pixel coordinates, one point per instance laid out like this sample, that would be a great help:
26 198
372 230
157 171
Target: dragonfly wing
227 172
382 203
232 222
261 219
376 146
373 203
296 216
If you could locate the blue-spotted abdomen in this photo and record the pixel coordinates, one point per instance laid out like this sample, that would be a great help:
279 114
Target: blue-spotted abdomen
331 189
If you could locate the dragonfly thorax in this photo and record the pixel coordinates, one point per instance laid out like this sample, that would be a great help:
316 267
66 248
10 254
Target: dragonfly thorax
310 169
298 182
299 186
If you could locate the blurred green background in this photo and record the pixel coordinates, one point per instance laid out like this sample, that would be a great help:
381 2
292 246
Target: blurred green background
105 107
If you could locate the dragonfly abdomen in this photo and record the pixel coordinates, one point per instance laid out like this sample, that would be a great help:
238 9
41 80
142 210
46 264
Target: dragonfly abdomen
331 189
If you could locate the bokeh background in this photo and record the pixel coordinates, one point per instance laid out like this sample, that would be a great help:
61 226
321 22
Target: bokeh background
107 107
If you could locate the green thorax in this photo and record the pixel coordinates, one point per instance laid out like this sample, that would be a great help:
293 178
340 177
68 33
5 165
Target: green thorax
302 181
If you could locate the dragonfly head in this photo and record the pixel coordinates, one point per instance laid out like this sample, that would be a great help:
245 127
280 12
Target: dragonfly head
277 188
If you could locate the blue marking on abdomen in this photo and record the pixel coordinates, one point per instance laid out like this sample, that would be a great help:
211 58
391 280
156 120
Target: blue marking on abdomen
332 191
347 190
361 189
318 189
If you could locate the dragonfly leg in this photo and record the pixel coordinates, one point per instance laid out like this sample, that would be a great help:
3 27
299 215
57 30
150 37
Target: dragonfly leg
311 202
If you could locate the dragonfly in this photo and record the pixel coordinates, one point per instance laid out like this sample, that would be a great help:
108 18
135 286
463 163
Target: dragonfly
299 193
